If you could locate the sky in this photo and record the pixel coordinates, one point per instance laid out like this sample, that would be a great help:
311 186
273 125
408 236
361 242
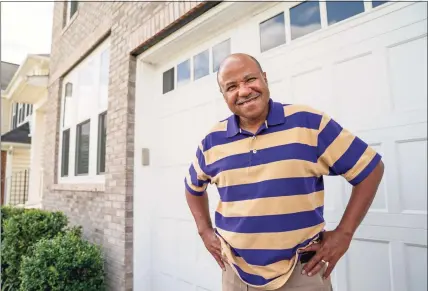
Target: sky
26 28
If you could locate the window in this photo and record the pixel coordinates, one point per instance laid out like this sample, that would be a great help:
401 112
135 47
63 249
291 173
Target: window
338 10
183 72
104 79
168 81
272 32
201 63
102 135
82 148
21 114
305 18
65 153
72 8
67 103
220 52
14 116
84 107
378 3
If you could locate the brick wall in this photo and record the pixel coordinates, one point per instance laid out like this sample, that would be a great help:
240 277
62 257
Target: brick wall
105 211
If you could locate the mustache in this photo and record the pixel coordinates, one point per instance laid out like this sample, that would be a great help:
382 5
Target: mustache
249 97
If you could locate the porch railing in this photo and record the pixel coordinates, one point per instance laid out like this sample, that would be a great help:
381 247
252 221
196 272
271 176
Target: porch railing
17 186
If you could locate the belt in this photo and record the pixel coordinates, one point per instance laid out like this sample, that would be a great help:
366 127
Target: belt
307 256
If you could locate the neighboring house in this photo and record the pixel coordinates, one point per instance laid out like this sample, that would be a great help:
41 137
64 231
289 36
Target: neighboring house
132 91
15 143
25 97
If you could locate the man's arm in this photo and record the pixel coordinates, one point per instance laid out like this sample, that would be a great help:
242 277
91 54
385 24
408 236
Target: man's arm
342 153
361 199
335 243
199 207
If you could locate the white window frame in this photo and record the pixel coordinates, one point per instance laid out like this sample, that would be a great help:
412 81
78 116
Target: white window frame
69 16
96 107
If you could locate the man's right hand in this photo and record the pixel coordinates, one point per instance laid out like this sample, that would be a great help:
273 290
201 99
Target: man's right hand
213 245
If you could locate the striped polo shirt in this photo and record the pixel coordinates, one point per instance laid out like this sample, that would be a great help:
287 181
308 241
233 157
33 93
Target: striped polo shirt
271 186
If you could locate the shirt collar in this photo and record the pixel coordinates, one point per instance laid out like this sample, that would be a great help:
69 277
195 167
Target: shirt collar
275 117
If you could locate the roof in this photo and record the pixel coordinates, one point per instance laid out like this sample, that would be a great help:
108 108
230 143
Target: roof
18 135
7 72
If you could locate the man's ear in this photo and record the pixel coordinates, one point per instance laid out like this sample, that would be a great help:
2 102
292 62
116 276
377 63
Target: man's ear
265 77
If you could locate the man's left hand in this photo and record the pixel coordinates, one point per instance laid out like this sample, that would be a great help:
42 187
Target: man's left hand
332 247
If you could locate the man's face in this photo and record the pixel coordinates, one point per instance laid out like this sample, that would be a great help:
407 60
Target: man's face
244 87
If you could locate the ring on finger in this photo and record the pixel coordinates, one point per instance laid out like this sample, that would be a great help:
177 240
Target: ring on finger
323 261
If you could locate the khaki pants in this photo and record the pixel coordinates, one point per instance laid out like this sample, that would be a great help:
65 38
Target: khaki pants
296 282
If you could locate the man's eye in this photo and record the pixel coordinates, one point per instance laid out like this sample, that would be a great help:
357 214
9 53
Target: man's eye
251 79
231 88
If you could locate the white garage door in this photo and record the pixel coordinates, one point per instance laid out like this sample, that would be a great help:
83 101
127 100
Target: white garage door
366 66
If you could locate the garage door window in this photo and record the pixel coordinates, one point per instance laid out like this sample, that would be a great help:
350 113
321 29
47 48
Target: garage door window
183 72
220 52
201 64
378 3
305 18
272 32
339 11
168 81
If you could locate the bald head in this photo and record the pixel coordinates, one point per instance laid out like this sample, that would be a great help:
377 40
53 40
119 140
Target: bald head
237 57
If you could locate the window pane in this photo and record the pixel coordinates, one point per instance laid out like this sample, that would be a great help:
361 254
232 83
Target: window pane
73 7
338 11
220 52
102 134
272 32
201 63
28 110
305 18
68 90
378 3
183 72
82 148
104 79
65 153
168 81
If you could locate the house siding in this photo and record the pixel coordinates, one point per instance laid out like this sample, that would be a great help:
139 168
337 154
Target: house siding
106 211
19 176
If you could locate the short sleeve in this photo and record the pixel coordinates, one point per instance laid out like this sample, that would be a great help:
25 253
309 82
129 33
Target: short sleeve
197 180
342 153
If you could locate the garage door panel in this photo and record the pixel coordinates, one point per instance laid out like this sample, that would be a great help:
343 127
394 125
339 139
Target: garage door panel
356 91
163 282
164 252
208 273
408 73
412 156
186 251
365 258
311 88
416 266
197 120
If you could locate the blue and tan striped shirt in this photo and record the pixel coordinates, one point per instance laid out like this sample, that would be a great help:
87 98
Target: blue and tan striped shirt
271 185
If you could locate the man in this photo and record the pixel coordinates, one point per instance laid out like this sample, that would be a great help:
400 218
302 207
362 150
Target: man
267 161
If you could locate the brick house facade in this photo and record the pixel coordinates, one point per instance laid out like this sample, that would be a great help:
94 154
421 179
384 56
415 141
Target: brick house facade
105 210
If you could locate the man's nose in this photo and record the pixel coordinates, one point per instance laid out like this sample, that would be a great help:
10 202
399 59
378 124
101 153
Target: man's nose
244 90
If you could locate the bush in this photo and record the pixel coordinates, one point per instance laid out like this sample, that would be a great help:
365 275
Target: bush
65 263
20 233
8 212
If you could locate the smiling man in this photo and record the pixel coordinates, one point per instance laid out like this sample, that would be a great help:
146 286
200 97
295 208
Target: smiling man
267 161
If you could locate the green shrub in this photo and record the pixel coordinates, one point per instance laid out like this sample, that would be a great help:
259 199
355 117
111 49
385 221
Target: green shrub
65 263
20 233
7 212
